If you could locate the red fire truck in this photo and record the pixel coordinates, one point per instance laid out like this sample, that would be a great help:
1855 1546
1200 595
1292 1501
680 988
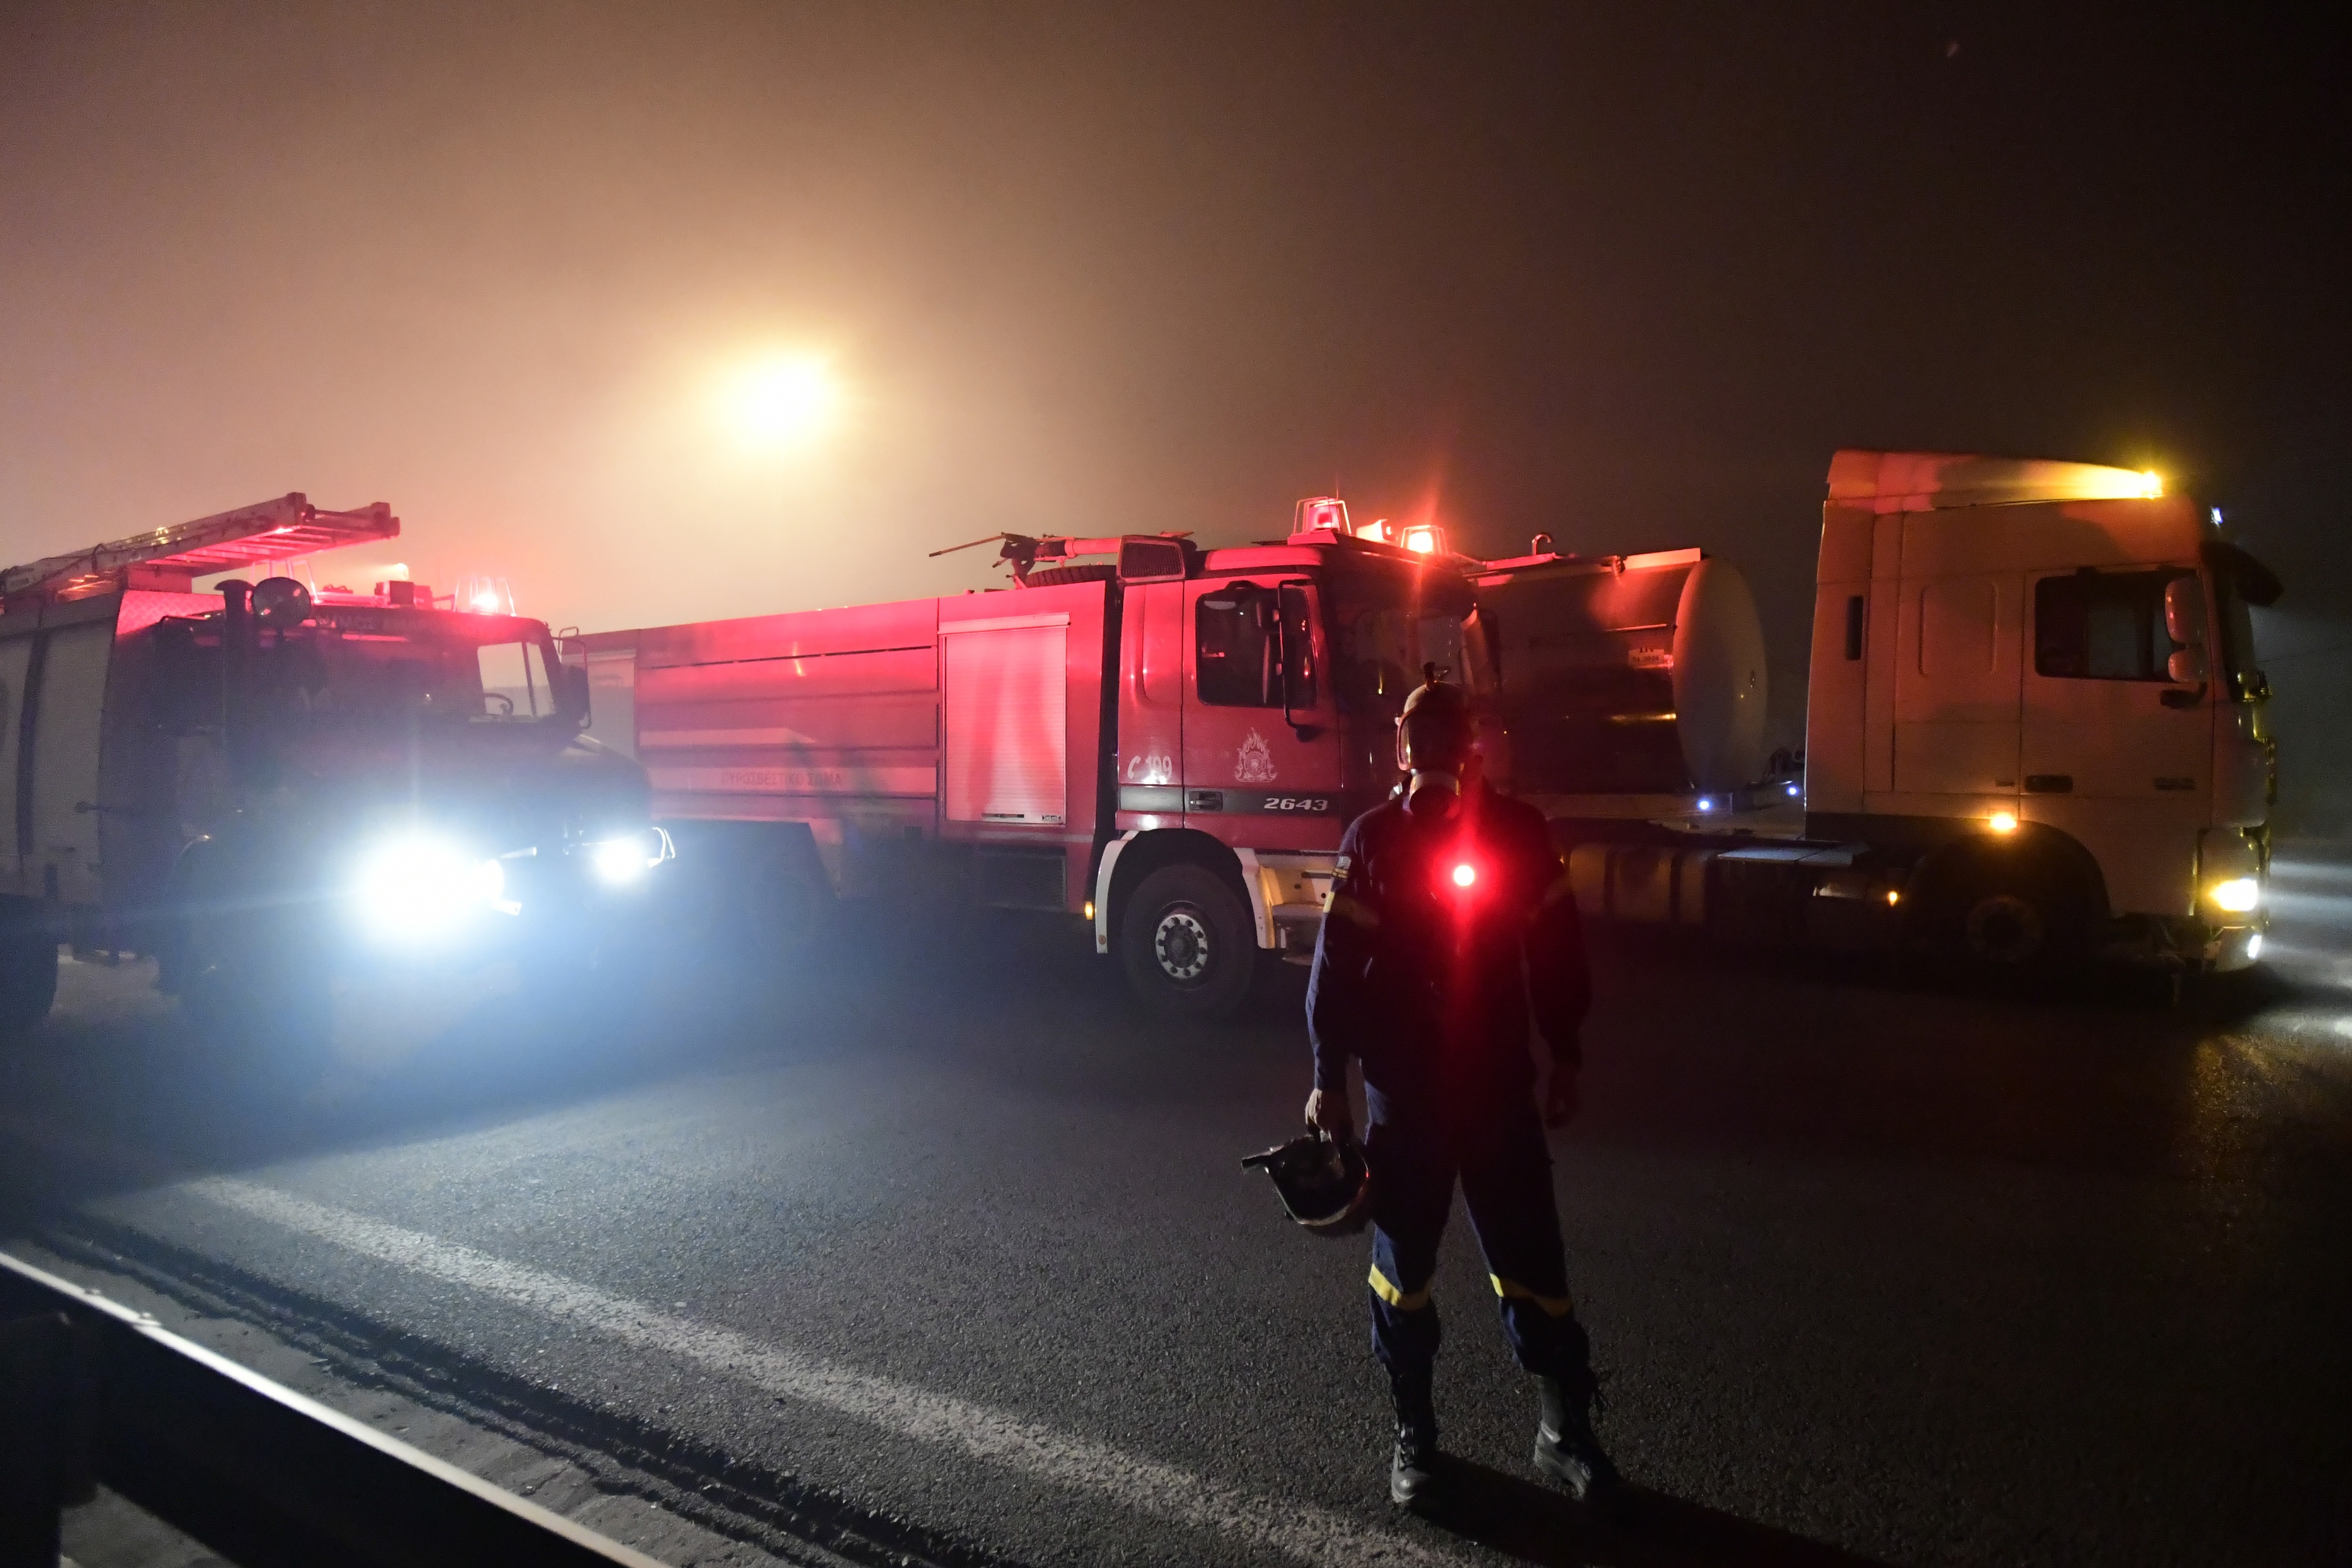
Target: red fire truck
275 791
1164 740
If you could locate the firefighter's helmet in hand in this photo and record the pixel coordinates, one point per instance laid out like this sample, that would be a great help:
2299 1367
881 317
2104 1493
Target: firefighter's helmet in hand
1323 1182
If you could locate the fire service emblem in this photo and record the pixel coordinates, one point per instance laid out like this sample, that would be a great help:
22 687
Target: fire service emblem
1254 764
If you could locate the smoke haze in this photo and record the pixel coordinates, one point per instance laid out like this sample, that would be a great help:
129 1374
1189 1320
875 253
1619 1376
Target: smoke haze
1626 277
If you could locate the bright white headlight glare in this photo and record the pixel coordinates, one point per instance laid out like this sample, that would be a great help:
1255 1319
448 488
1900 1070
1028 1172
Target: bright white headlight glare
2238 896
421 885
626 858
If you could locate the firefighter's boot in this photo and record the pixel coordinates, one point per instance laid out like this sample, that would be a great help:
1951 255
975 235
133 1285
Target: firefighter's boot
1413 1471
1567 1450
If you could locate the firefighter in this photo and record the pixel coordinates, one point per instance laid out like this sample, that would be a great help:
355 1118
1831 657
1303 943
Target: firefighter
1451 920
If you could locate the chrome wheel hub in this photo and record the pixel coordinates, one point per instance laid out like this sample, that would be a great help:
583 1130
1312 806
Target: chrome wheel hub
1181 946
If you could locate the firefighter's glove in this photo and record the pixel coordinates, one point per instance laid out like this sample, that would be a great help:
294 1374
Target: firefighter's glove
1328 1108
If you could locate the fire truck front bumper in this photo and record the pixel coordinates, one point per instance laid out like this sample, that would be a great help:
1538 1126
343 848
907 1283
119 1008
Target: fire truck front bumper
421 897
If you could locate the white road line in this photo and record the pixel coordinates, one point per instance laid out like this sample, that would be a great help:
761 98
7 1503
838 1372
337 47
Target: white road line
1299 1530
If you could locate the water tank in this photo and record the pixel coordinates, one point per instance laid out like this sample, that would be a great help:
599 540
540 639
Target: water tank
1632 675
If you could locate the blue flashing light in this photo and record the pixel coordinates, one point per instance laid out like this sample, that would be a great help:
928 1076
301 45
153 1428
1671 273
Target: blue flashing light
1706 803
1795 789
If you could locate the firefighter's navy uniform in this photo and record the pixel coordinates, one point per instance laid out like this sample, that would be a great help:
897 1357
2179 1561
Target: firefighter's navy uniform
1450 922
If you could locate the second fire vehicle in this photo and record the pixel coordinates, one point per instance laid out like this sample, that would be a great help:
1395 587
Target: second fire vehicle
2035 730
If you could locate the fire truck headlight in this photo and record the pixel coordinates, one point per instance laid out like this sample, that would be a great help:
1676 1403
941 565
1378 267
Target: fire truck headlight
421 887
2238 896
626 858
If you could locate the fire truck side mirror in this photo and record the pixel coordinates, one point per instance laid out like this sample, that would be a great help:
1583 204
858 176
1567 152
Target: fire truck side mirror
575 692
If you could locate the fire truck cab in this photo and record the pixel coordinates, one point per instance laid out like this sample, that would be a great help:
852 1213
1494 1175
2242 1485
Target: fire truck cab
272 789
1163 739
1257 707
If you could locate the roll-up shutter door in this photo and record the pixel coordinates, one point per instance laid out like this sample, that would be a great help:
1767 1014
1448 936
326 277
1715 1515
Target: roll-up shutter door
1007 721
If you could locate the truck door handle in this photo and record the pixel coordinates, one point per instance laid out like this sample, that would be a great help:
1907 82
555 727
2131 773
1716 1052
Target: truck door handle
2176 697
2049 784
1204 800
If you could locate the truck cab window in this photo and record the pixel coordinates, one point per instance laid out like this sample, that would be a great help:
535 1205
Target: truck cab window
514 681
1441 643
1245 637
2101 626
2238 667
1383 629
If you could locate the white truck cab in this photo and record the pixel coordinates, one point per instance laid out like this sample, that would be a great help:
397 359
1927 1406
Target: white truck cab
2036 680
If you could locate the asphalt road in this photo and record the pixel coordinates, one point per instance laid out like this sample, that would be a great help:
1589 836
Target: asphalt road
927 1240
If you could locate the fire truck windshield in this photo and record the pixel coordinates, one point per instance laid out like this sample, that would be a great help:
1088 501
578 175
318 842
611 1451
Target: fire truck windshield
333 676
1385 625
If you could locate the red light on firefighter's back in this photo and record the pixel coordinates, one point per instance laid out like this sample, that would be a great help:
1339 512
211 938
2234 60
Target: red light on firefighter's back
1464 874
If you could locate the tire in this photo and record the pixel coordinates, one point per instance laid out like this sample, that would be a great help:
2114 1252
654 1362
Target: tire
2003 917
28 980
252 970
787 902
748 897
261 1009
1187 943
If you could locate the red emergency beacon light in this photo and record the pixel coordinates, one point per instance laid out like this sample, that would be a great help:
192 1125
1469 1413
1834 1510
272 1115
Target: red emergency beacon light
1464 874
485 596
1321 512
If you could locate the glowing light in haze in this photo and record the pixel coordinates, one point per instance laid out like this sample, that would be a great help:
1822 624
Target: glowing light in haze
780 401
2239 895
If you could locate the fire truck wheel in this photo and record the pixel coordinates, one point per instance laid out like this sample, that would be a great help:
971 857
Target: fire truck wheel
785 904
28 978
257 994
1187 944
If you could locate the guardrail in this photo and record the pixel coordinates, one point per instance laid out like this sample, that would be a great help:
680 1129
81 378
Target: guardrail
91 1392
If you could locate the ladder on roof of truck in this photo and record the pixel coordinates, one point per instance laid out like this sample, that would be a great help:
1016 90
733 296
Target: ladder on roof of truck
173 558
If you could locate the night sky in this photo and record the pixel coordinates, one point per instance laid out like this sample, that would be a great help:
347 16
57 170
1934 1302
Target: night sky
1626 275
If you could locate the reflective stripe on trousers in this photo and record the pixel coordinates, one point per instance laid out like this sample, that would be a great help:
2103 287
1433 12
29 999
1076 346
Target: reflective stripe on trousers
1505 1169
